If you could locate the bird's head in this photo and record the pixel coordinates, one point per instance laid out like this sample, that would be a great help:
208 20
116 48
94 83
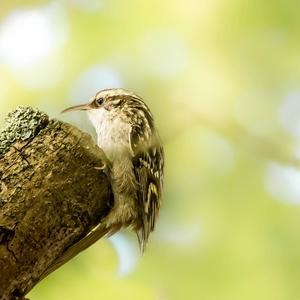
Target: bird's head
116 106
109 103
109 99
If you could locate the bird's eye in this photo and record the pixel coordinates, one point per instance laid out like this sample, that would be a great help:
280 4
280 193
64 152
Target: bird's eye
100 101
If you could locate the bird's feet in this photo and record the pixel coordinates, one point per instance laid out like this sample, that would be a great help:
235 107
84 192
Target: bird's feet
105 168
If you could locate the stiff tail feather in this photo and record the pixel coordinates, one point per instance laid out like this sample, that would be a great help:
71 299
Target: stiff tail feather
92 237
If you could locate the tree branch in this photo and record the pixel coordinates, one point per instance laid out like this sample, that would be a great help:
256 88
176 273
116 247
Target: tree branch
52 194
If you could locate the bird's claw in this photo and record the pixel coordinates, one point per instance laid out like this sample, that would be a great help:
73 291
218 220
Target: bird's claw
105 168
100 168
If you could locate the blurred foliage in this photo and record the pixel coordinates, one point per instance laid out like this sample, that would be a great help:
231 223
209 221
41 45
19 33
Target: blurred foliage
222 79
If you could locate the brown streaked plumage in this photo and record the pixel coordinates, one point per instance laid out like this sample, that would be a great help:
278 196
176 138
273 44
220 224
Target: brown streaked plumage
133 146
127 134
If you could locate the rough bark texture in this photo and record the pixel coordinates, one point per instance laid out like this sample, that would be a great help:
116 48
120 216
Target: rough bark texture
51 195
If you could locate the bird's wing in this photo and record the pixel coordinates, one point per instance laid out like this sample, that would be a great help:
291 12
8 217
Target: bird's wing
148 160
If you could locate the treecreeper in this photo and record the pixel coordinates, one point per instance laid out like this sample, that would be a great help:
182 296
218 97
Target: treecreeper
60 192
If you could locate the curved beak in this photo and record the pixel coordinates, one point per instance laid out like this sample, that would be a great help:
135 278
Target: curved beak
77 107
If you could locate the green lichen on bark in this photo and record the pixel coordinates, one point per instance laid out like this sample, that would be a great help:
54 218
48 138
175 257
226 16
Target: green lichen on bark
21 124
53 194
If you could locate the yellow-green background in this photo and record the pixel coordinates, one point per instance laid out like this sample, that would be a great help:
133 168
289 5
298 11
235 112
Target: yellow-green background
223 80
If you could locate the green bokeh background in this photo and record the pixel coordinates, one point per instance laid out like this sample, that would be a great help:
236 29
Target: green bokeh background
222 80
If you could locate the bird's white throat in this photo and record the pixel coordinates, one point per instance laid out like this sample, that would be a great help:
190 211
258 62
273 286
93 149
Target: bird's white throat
112 132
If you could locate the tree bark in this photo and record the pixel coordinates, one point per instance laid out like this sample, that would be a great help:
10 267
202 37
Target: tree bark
52 193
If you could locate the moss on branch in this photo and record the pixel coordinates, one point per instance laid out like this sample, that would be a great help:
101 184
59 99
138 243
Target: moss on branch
52 194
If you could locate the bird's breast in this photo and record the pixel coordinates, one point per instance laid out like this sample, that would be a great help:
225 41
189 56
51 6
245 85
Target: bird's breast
113 137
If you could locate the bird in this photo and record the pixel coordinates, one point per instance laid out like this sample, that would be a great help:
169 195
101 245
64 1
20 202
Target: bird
127 134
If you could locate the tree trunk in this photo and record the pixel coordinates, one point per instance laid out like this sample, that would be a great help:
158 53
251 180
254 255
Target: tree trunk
52 193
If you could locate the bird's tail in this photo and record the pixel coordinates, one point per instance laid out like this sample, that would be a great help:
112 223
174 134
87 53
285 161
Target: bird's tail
92 237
